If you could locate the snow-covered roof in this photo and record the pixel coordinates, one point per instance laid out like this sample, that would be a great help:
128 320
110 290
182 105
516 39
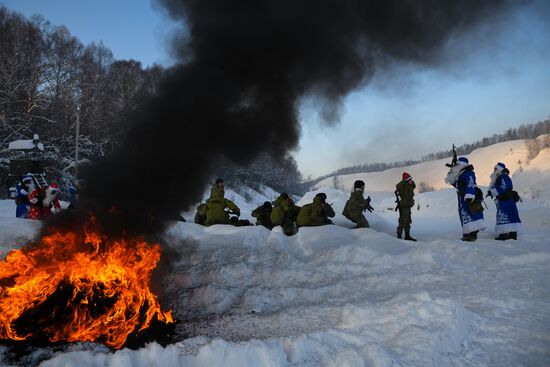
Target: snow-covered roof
29 144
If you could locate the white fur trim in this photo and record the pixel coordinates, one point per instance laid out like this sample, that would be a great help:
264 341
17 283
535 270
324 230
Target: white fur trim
508 227
469 196
33 200
477 225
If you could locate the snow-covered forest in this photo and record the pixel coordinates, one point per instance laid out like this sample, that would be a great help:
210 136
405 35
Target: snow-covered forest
49 81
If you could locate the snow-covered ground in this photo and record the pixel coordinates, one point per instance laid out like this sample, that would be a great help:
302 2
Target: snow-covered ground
335 296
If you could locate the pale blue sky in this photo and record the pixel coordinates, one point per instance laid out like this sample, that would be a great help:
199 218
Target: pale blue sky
495 80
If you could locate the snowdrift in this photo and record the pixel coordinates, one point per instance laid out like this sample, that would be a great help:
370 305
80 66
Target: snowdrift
337 296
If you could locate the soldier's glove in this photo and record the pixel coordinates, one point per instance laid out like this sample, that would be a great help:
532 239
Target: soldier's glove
237 213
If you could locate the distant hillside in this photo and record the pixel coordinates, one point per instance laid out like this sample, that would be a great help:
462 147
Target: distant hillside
528 131
531 177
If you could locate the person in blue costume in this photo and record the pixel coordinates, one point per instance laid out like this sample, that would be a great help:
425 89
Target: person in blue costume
501 190
463 178
23 189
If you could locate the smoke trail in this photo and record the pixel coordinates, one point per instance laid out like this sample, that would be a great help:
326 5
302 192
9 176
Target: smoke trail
244 66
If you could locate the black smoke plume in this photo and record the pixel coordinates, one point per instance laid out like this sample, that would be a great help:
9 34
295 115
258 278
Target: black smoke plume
243 68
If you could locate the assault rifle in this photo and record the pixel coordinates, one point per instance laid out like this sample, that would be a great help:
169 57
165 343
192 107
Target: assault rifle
367 205
453 162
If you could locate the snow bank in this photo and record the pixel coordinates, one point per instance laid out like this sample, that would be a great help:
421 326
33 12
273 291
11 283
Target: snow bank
333 296
401 325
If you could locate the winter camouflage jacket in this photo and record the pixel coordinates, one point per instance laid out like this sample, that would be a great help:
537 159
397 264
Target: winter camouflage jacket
215 207
406 193
355 205
263 216
311 214
200 214
282 209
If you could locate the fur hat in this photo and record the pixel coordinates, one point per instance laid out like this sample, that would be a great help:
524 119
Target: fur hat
219 181
53 187
463 161
499 167
406 176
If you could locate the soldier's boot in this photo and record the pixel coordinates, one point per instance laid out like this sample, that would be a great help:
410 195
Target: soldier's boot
408 237
399 235
513 235
502 237
469 237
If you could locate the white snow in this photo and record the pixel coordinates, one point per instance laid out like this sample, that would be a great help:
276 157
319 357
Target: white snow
335 296
25 145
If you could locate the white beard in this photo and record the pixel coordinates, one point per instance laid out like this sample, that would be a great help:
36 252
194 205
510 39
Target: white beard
493 176
49 198
454 172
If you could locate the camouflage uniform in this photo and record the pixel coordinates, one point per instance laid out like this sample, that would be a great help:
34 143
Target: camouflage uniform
263 215
215 207
354 208
405 190
313 214
200 214
284 214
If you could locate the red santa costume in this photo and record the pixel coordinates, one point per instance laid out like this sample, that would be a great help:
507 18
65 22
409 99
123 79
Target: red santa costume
36 209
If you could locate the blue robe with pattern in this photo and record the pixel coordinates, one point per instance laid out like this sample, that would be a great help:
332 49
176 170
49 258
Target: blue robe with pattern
466 188
507 211
22 209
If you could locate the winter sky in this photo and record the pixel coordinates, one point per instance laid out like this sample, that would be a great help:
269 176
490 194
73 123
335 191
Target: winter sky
493 78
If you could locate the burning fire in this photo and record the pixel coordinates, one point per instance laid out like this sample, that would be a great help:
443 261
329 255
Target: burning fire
79 287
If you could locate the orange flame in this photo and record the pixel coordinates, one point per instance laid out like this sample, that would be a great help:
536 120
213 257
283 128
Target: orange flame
107 283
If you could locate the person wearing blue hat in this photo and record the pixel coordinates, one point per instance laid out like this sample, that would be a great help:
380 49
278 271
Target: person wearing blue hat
502 191
23 189
470 210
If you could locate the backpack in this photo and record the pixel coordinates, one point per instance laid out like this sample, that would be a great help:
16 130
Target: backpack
345 211
475 205
479 195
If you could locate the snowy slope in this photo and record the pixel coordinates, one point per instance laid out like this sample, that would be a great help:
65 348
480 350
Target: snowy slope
433 173
332 296
534 180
